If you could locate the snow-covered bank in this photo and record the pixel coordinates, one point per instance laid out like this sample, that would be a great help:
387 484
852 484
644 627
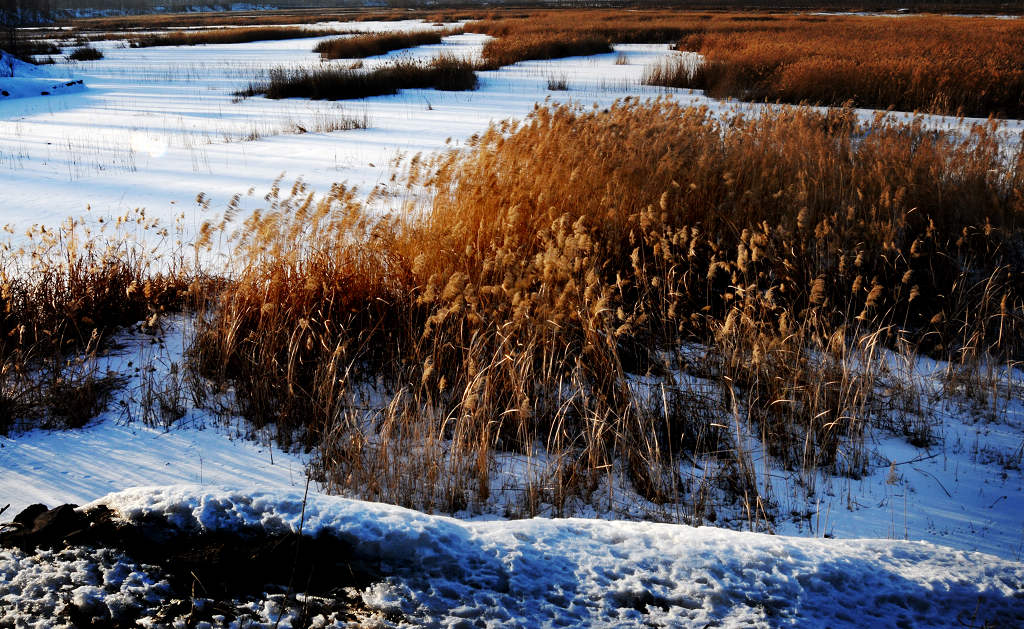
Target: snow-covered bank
22 80
446 572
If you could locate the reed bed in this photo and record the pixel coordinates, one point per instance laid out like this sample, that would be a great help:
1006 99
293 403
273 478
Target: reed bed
63 292
943 65
506 51
230 36
938 64
703 284
372 44
444 72
555 34
85 53
230 18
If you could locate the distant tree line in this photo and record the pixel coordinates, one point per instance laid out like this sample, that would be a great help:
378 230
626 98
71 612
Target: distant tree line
67 7
15 14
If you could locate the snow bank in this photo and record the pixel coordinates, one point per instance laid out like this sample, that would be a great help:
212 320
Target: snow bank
20 80
447 572
11 66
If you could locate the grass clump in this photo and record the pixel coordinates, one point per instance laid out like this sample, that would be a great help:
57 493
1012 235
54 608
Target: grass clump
63 292
556 34
508 50
444 72
701 283
85 53
369 45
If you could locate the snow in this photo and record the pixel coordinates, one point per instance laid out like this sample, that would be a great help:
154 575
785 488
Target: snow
121 449
158 126
22 80
964 489
444 572
35 588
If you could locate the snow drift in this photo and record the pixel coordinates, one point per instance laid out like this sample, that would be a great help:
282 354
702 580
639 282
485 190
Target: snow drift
446 572
20 80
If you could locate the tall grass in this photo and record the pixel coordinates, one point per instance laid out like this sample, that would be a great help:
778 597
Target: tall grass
62 293
937 64
238 35
702 284
506 51
368 45
444 72
85 53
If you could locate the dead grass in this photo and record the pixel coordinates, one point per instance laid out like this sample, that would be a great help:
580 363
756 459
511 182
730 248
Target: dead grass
508 50
64 292
230 35
936 64
231 18
368 45
555 34
85 53
546 296
444 72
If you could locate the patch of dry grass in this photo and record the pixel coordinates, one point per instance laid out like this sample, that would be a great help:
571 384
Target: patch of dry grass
85 53
238 35
547 298
156 21
444 72
936 64
64 291
939 64
368 45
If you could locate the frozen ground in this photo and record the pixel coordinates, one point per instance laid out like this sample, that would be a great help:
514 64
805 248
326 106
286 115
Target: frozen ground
442 572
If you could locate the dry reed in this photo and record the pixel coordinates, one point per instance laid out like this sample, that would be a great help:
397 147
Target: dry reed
444 72
230 35
545 297
64 292
372 44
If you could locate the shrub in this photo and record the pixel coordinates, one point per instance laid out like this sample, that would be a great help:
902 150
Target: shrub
85 53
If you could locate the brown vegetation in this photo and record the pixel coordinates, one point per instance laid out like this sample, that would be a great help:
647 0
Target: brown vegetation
937 64
230 18
444 72
698 283
63 292
554 34
85 53
372 44
230 36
